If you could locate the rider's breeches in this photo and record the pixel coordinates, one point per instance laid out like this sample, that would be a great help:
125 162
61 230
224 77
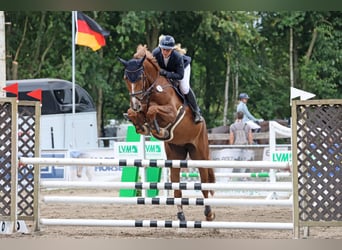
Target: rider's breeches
184 84
253 125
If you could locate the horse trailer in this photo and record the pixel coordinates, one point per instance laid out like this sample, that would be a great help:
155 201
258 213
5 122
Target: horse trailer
60 128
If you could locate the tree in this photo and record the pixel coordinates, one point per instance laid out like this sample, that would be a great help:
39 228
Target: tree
248 49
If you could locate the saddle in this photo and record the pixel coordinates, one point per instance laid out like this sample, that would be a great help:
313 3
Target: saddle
175 85
168 130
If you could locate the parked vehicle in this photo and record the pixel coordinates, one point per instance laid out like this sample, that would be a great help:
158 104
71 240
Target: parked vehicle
60 128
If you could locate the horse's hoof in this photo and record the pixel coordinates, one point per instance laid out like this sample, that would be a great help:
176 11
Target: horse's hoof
210 216
181 216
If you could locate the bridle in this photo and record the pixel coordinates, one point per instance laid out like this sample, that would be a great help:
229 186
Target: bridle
150 90
133 76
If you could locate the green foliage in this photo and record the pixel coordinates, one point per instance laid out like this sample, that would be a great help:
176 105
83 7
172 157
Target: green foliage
256 44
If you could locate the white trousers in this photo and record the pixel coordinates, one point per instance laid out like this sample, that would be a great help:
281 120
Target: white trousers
253 125
184 84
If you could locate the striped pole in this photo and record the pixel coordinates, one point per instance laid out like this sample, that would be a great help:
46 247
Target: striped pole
155 163
166 224
242 175
278 186
166 201
190 175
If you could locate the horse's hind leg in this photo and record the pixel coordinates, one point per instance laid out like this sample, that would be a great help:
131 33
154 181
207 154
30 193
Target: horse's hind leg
205 178
207 175
175 172
211 179
174 152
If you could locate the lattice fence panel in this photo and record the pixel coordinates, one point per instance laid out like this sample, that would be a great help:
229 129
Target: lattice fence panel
319 156
26 148
5 157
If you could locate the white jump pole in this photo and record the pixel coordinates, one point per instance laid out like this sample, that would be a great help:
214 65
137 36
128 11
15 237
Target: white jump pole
167 224
165 201
238 175
279 186
155 163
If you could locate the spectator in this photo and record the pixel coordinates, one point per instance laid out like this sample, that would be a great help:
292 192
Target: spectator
240 132
247 116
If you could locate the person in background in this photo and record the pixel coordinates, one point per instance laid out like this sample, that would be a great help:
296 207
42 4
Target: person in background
247 116
175 65
240 133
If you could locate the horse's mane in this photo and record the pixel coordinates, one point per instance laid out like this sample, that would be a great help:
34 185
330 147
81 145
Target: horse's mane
142 51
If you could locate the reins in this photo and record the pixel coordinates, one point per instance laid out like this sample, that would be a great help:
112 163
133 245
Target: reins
143 93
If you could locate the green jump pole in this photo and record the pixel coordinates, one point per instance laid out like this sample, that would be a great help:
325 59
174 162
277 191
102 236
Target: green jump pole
254 175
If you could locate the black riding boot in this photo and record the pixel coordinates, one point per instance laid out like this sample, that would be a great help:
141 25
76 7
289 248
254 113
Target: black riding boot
191 99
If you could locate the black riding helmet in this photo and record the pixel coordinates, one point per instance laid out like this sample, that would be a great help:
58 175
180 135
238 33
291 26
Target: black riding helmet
167 42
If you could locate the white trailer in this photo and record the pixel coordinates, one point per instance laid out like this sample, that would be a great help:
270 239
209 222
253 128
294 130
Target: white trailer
59 127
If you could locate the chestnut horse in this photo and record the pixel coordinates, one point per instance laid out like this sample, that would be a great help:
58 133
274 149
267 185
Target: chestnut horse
157 109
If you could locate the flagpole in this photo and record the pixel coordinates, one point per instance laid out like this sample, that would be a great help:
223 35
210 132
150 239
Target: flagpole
73 79
2 54
73 61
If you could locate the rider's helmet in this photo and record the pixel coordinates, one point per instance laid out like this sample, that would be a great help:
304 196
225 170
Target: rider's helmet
167 42
243 96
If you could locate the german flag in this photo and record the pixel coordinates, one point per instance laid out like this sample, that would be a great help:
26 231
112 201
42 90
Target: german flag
89 33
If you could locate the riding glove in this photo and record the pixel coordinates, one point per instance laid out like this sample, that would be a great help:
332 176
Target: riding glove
163 72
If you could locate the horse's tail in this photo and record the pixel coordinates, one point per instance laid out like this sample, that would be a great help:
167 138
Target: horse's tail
211 173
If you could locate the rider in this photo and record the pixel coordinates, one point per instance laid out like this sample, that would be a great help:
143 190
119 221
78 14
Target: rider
175 65
248 117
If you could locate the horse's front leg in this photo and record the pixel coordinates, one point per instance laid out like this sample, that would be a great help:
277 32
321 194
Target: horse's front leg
156 125
138 120
159 116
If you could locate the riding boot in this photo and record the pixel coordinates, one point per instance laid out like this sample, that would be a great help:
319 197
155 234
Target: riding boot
191 99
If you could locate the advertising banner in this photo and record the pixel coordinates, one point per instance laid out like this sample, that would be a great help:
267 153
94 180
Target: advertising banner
231 154
95 173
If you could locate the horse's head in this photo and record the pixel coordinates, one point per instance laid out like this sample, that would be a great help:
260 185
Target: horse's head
141 72
135 80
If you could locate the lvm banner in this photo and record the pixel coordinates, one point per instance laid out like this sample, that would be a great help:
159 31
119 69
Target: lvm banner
134 150
282 156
